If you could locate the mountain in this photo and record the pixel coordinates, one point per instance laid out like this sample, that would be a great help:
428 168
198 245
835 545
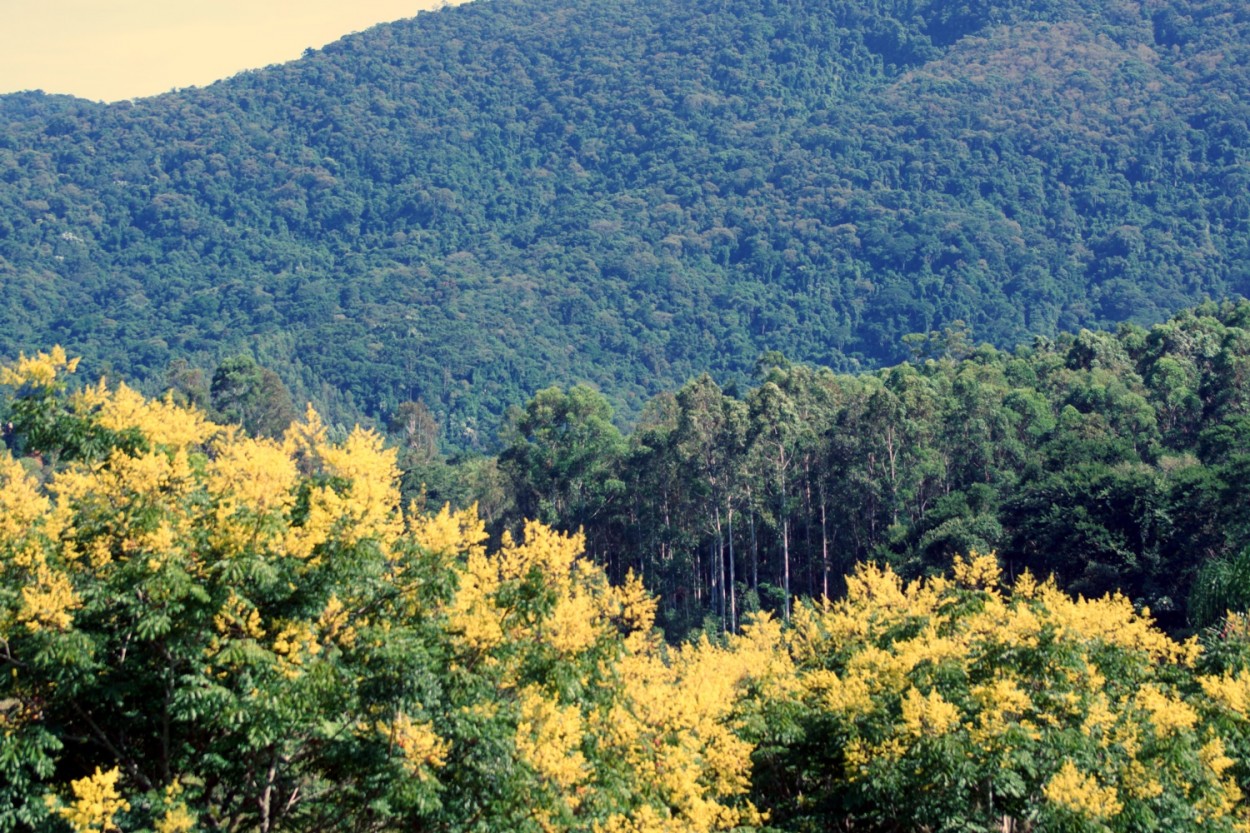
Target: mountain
475 203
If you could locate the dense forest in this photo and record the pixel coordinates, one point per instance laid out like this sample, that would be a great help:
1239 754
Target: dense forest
205 630
1112 461
466 207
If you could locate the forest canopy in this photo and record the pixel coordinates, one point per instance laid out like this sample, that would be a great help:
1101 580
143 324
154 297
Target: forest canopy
466 207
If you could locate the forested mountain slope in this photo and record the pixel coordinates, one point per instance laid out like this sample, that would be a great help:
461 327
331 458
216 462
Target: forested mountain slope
478 202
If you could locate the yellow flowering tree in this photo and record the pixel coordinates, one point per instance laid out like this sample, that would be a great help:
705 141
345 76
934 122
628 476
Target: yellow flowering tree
962 704
205 630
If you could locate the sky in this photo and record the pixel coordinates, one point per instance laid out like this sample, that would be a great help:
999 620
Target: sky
109 50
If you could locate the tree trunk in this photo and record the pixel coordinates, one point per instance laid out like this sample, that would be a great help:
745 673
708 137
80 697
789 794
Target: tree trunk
824 549
733 590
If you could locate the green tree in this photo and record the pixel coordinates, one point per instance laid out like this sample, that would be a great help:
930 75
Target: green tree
244 393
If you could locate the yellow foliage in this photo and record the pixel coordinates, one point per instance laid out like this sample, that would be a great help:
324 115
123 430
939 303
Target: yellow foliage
421 747
96 802
334 623
176 819
372 499
577 621
161 421
1168 713
255 475
548 738
1081 794
238 617
1113 621
296 645
928 716
48 600
40 369
448 531
474 618
22 506
1230 691
637 605
977 571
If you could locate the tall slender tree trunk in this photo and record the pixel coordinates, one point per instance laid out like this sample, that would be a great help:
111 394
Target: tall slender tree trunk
722 602
785 558
785 547
733 584
755 551
824 549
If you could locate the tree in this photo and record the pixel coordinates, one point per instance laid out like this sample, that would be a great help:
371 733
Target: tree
246 394
774 428
561 456
712 434
960 704
215 631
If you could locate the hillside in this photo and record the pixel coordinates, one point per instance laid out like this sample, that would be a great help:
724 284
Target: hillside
473 204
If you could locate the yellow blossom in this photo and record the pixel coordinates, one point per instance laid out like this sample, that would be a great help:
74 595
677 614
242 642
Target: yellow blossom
449 532
40 369
22 505
161 421
335 623
977 572
549 737
1168 713
176 819
929 716
96 802
637 605
1079 793
48 601
1231 691
238 617
253 474
420 745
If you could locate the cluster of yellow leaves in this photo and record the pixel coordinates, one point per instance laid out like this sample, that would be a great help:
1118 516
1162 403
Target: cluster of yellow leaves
420 747
674 728
40 369
177 817
667 730
903 665
549 738
1081 794
161 421
27 527
96 803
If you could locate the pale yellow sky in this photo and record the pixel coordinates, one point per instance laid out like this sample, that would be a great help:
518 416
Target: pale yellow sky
116 49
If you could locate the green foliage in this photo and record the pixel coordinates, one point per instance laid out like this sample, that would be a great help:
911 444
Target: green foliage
205 630
953 705
246 394
1076 458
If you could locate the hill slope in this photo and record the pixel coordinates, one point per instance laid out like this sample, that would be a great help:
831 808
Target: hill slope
472 204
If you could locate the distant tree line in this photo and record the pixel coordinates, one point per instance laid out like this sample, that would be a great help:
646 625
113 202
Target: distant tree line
1114 461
